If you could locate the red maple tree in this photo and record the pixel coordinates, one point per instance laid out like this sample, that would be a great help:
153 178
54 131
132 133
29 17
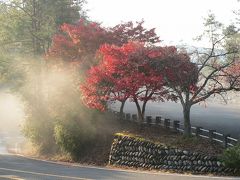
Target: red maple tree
125 72
80 42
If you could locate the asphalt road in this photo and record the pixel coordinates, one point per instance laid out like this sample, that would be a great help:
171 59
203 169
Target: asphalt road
221 117
17 167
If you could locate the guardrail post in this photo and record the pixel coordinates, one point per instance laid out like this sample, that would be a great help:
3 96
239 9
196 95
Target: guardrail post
134 117
225 140
115 114
211 134
176 125
167 123
128 116
149 120
124 116
198 131
121 116
158 120
118 115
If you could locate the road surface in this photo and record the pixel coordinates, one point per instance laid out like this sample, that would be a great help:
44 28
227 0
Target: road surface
18 167
12 166
221 117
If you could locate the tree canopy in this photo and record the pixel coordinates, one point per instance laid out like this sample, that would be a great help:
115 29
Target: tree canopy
29 25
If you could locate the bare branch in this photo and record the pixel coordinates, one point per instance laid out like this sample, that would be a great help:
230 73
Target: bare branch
210 77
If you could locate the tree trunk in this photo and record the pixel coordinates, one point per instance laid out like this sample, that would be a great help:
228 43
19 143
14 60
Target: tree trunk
144 108
121 109
187 123
140 116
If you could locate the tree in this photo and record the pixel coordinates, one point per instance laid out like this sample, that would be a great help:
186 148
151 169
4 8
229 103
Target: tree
212 71
26 33
125 32
125 72
35 21
80 42
181 77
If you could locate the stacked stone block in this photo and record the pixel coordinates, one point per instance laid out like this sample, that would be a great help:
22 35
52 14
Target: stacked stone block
139 153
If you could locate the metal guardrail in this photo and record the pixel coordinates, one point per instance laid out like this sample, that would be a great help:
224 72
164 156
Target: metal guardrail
204 130
225 139
219 134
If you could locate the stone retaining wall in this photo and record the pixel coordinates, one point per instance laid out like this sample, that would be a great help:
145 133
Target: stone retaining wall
139 153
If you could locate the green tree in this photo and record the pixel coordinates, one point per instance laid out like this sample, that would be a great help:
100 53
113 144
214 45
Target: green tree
30 24
27 27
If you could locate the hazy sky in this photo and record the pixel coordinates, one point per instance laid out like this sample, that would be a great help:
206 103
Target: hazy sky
176 21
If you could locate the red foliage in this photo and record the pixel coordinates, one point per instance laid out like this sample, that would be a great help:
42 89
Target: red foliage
81 41
78 42
232 74
178 69
127 54
124 72
125 32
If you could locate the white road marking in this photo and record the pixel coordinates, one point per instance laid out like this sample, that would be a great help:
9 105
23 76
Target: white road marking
11 177
129 170
43 174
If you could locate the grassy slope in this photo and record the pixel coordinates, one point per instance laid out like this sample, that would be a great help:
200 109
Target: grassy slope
98 155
